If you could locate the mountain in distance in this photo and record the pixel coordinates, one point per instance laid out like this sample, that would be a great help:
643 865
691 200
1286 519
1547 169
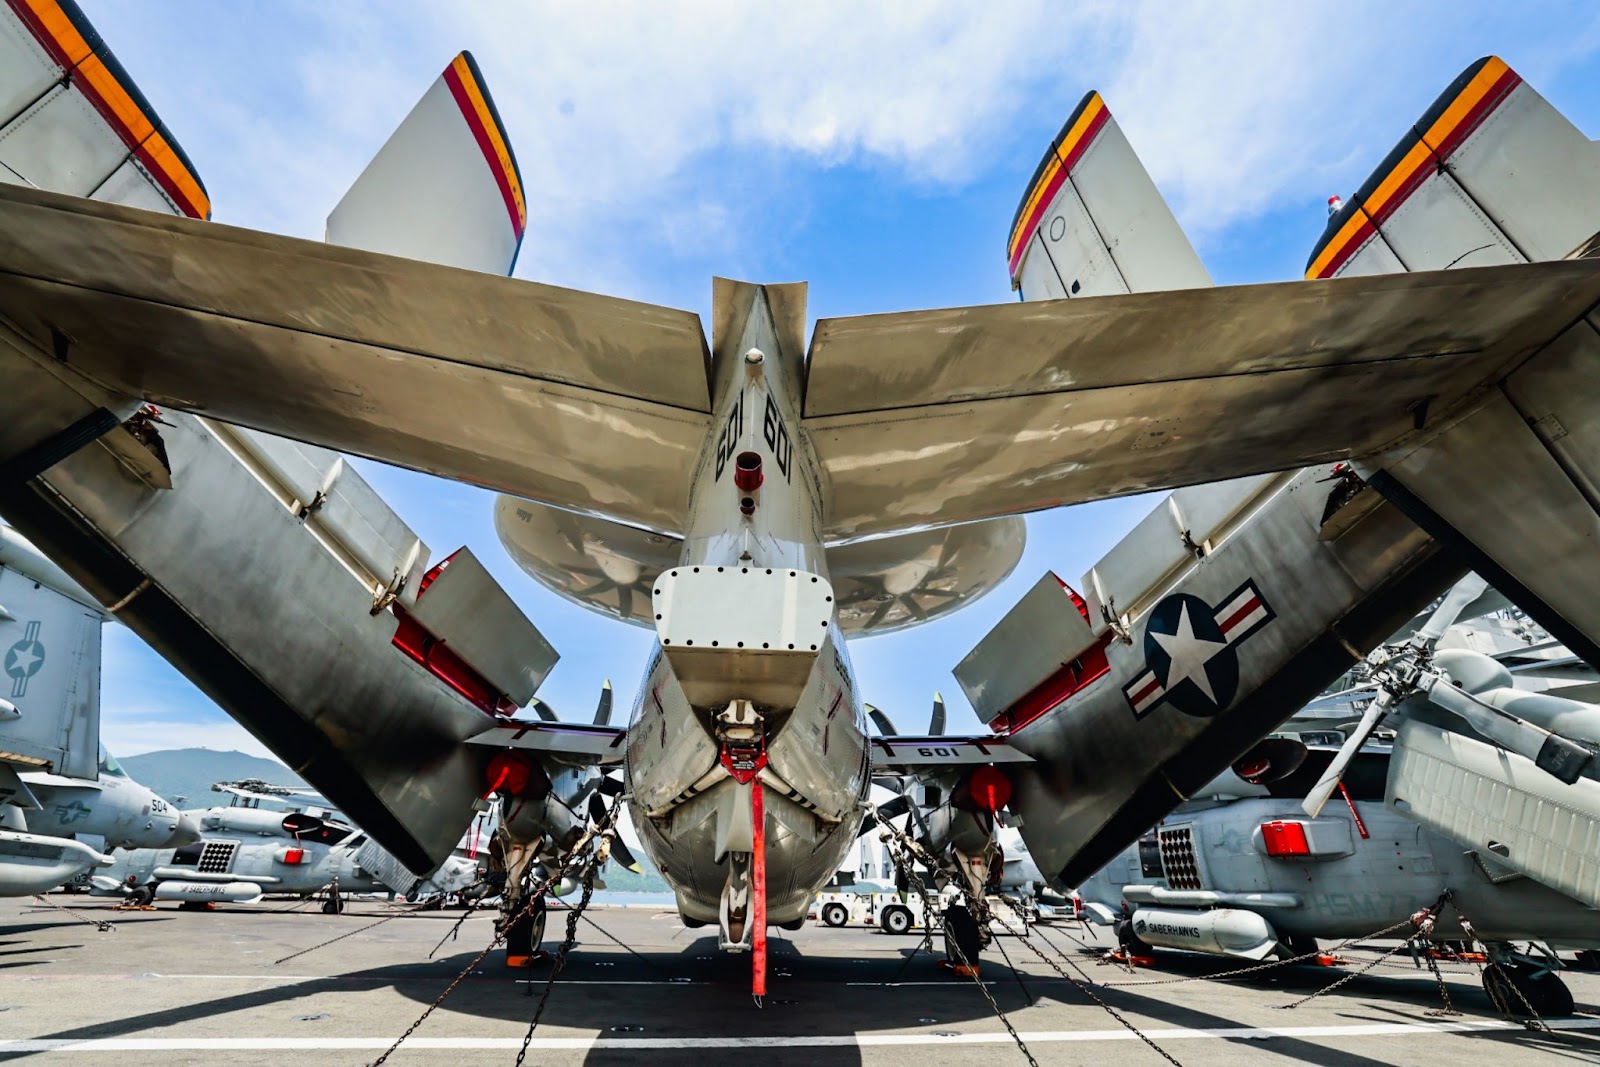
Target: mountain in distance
190 772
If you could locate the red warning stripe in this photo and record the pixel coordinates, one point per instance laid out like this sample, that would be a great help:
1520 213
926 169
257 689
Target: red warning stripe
474 101
1062 157
64 33
1434 146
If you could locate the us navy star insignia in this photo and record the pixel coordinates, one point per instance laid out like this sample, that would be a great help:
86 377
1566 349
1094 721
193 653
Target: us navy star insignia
1191 651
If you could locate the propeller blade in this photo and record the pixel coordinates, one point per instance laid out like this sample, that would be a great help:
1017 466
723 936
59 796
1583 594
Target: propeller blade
543 710
1330 778
624 855
936 724
597 808
1444 616
894 807
602 711
881 721
611 786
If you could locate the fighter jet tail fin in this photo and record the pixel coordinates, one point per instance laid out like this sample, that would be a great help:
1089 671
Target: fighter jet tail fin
445 187
49 666
1092 222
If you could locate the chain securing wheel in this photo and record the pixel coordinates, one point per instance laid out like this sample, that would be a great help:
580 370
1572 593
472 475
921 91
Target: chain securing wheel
902 852
534 897
595 861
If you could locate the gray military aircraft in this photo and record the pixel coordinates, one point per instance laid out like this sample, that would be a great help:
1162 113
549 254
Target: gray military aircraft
773 498
1255 865
56 780
290 847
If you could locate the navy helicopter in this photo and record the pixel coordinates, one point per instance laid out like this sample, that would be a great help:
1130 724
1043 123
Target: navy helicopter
1447 781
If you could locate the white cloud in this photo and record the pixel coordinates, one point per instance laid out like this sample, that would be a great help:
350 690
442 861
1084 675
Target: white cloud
667 129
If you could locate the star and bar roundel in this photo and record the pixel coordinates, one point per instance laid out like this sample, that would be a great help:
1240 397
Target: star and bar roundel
1191 651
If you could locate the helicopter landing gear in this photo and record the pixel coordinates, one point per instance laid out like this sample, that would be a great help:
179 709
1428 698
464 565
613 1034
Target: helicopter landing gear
1541 988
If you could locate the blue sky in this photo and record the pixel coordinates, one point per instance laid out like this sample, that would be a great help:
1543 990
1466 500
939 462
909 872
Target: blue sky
878 154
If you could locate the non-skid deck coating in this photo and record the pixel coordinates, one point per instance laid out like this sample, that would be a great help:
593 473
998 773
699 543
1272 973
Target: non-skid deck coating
201 987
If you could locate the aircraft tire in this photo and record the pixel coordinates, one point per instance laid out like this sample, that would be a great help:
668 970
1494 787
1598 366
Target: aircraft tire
144 896
1131 943
1300 944
526 934
896 919
962 941
1548 994
834 914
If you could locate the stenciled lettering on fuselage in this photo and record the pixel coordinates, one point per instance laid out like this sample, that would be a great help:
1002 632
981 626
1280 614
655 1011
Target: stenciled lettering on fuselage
777 438
728 443
1167 929
1191 651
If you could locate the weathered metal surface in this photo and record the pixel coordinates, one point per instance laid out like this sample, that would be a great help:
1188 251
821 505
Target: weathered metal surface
581 400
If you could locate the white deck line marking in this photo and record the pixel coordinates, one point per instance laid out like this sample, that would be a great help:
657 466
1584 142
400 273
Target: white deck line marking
313 1044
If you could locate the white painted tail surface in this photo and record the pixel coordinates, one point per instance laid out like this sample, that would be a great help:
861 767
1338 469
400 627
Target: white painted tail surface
1093 223
49 663
445 187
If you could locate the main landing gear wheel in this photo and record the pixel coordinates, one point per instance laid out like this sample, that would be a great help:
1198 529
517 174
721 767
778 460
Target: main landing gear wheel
1547 994
895 919
334 905
525 937
1132 944
144 896
834 914
962 942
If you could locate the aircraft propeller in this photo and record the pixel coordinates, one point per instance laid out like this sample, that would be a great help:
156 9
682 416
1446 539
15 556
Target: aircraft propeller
619 848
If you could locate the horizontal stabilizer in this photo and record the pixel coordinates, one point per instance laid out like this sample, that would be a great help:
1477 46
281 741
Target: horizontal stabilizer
937 417
1092 223
580 742
580 400
445 187
909 754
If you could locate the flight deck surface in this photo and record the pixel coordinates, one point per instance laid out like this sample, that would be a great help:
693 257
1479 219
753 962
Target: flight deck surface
173 987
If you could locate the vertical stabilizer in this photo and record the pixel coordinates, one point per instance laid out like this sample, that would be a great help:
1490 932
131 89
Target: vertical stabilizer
49 664
445 187
1092 222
